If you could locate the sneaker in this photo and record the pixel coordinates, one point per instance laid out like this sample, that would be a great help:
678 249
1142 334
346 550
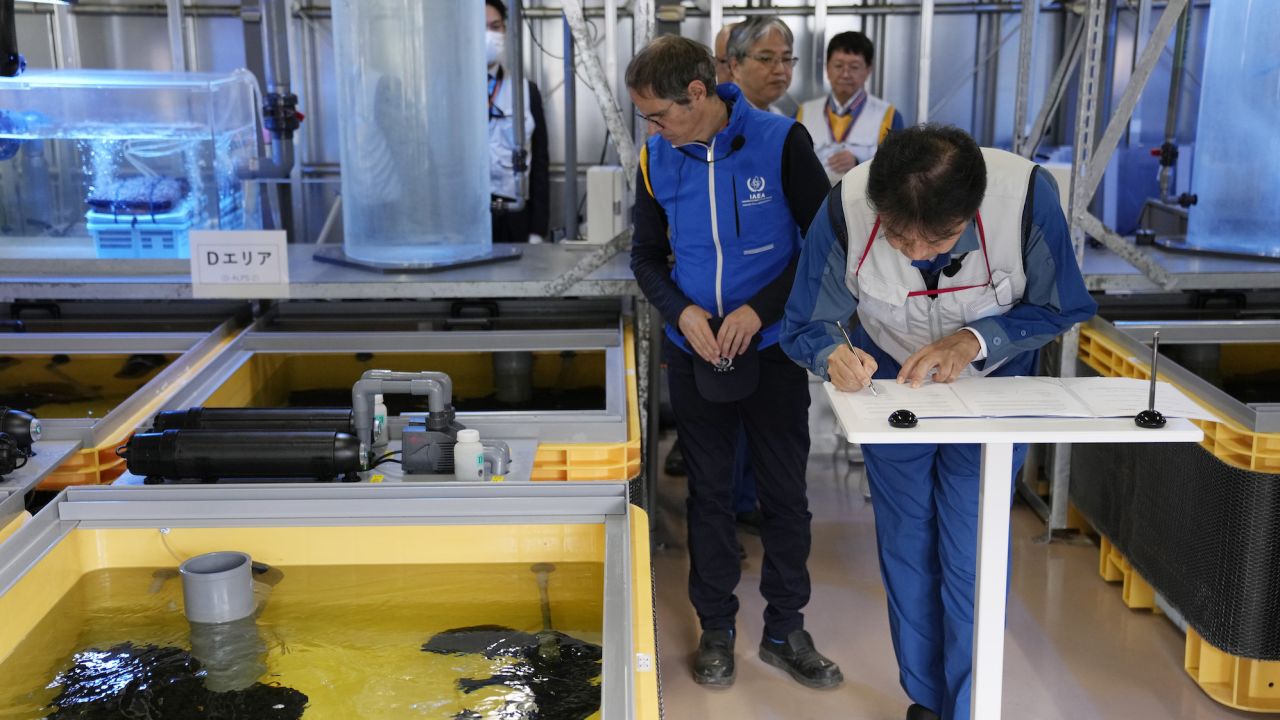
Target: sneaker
799 658
920 712
713 663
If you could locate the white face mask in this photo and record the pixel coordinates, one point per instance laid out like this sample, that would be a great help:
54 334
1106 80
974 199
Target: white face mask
494 44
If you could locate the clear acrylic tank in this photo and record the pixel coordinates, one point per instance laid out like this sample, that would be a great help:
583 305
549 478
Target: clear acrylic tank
1237 156
128 161
414 130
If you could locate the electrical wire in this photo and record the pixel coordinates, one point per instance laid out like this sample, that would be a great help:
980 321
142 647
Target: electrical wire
386 459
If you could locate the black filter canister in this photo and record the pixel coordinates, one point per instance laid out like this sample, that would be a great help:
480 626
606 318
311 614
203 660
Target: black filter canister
202 418
212 454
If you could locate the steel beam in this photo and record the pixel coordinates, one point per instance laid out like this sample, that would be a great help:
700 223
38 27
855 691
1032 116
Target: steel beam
601 87
1026 54
1089 224
1053 96
1096 162
926 61
1092 60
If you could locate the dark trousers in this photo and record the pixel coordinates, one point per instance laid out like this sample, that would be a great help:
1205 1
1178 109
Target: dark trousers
511 226
744 478
775 418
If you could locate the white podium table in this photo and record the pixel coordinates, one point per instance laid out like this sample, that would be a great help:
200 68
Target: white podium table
997 437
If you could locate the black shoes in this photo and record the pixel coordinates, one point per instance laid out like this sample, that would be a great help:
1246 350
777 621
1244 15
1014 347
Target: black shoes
920 712
713 664
799 658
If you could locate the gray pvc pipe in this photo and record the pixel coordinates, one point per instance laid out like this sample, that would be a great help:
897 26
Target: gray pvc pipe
217 587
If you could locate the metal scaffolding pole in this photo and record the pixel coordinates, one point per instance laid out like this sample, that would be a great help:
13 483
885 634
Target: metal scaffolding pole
1057 89
1096 162
1092 62
926 61
602 88
819 46
1088 164
1026 54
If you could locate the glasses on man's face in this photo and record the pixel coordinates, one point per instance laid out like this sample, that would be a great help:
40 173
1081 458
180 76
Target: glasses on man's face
841 68
656 118
785 61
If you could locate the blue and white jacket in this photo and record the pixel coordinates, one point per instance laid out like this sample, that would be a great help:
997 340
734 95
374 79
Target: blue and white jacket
731 211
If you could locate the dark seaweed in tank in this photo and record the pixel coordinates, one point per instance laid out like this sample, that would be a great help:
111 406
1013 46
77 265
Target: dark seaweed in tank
160 683
562 688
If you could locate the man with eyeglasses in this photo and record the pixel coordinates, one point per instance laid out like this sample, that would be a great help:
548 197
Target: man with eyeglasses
958 262
761 60
848 124
528 224
726 190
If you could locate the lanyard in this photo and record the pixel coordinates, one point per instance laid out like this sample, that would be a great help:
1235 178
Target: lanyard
982 239
854 110
493 95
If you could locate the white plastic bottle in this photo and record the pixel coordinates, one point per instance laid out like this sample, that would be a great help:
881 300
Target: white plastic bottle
381 433
468 457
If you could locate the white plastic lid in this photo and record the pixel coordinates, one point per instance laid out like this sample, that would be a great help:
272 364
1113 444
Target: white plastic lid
377 399
468 436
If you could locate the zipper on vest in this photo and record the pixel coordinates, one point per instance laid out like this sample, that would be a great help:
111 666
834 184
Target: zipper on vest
715 225
737 225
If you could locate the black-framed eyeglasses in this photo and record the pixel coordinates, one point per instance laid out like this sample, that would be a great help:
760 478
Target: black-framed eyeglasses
771 60
656 118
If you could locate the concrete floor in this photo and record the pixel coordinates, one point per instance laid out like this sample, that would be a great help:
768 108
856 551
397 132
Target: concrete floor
1072 651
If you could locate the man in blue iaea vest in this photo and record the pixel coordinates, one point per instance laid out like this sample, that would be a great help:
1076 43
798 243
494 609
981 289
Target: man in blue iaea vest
727 190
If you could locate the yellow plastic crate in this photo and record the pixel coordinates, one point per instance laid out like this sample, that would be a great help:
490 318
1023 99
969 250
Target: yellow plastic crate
1136 593
1237 682
1226 440
95 466
101 465
598 461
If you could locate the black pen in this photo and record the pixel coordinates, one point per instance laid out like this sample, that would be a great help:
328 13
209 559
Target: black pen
870 385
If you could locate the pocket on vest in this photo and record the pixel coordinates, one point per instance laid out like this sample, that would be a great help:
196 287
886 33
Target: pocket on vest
757 249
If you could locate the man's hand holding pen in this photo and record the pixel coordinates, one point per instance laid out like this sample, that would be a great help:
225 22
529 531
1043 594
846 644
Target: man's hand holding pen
850 369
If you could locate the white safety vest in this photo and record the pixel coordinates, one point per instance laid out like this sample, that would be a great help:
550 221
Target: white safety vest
862 139
895 307
502 174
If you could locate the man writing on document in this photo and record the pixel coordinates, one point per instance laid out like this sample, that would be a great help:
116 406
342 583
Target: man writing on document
958 262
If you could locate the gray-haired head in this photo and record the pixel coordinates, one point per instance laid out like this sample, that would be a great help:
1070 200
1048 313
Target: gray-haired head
747 33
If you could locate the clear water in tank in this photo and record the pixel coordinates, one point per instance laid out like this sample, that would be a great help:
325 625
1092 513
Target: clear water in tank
414 130
1237 157
133 160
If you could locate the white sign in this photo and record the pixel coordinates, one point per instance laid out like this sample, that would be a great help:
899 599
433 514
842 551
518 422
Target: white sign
239 264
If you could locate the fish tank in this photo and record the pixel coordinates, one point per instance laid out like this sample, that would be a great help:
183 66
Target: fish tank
1237 162
124 164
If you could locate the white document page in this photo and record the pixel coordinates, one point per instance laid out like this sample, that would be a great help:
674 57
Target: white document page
928 400
1121 397
1019 397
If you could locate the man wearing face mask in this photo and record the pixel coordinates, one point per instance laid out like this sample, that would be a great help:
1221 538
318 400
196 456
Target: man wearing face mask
530 223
